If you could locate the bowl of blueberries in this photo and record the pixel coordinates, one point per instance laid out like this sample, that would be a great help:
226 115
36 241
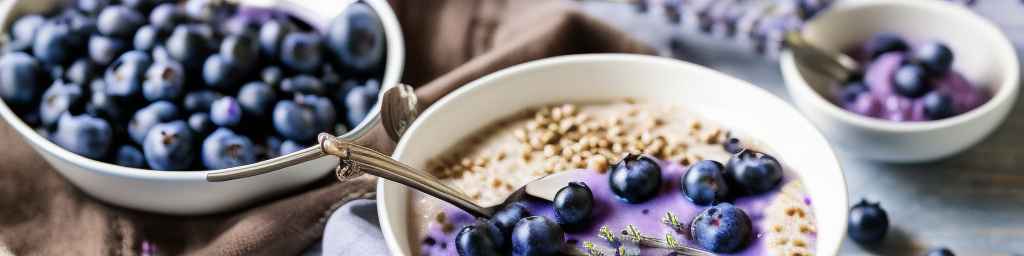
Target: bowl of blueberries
136 102
934 79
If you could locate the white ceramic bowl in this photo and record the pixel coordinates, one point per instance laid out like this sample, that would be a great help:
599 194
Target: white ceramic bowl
733 103
188 192
983 55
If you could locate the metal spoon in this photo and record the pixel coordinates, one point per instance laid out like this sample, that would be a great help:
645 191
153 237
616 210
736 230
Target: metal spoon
834 65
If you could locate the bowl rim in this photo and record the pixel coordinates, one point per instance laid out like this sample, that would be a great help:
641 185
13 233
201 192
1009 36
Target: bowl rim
394 58
387 227
796 83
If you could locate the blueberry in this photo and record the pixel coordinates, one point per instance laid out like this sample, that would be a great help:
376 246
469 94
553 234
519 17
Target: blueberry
356 38
935 57
119 21
358 102
226 112
256 98
141 5
323 111
83 135
938 105
126 75
169 146
52 44
242 51
868 223
272 75
635 179
225 149
201 123
910 80
885 42
165 16
188 45
129 156
272 33
103 105
302 51
537 235
723 228
477 240
21 78
57 100
25 27
91 6
149 116
219 72
574 204
705 183
288 147
753 172
273 147
942 251
103 50
732 145
17 46
850 91
165 80
146 38
82 71
205 10
295 121
200 101
304 84
81 27
506 218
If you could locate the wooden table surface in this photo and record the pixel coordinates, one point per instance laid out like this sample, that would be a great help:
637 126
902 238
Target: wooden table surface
972 203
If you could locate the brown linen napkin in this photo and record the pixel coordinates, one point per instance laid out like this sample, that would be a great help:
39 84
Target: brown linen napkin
449 42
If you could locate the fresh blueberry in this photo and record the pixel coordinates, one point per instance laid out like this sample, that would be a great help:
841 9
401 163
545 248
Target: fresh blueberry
165 16
272 146
938 105
868 223
119 21
146 38
705 183
723 228
942 251
149 116
142 5
256 98
84 135
323 110
753 172
340 128
910 80
478 240
885 42
356 38
288 147
130 156
221 73
201 123
200 101
225 149
17 46
82 71
506 218
165 80
243 51
52 44
103 50
207 11
304 84
849 93
81 27
272 33
272 75
102 105
126 75
732 145
537 235
295 121
57 100
357 104
169 146
226 112
188 45
935 57
21 78
302 51
574 204
635 179
25 27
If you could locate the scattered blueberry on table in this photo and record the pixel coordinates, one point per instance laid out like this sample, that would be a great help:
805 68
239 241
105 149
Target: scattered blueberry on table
189 85
868 223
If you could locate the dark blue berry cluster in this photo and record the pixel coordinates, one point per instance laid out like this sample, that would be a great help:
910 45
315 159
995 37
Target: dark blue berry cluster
189 85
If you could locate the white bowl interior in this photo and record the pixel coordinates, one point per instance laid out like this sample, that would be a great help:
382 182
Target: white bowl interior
729 101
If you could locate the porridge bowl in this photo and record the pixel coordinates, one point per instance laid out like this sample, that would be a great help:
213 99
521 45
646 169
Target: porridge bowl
624 88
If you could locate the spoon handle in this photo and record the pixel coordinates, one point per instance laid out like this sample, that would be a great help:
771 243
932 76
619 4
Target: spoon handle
354 157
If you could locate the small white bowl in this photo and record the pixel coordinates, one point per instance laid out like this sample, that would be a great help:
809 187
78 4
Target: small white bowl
188 192
729 101
983 55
